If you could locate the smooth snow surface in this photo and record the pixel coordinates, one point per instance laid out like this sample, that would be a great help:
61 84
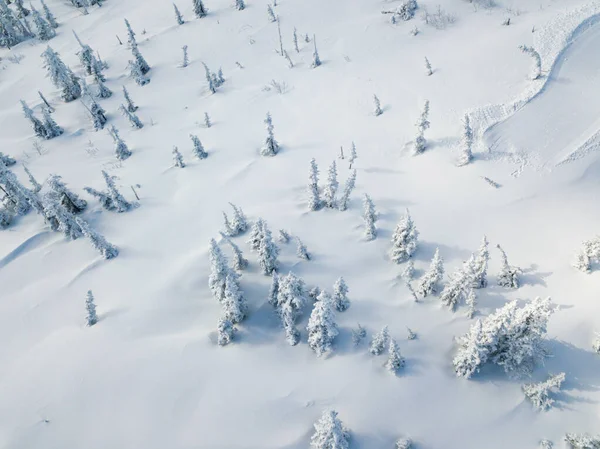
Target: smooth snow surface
149 374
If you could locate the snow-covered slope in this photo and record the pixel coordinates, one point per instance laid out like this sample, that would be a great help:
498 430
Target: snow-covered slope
150 374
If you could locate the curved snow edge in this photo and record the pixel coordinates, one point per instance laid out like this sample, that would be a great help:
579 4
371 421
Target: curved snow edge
551 42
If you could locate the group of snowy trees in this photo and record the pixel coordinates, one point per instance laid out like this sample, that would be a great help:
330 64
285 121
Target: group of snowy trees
380 341
327 196
15 27
588 254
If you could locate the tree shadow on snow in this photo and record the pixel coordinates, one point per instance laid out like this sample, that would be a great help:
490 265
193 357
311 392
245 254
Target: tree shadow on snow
532 277
426 250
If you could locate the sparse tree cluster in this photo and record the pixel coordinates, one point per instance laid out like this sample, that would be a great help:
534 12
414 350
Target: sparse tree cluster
540 393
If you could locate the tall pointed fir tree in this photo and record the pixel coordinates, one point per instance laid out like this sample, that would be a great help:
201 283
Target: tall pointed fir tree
378 111
422 125
178 16
428 69
86 58
136 73
430 282
15 192
177 158
51 127
273 290
256 234
90 307
509 275
460 284
316 59
130 35
48 15
340 295
111 199
107 250
267 252
131 107
466 142
70 200
291 297
133 119
370 217
45 32
34 183
301 250
404 240
395 361
59 218
314 199
330 433
240 5
225 331
379 341
61 76
348 188
121 150
199 9
481 264
271 14
139 61
270 147
295 40
331 187
103 91
198 149
218 271
38 126
322 328
234 302
239 262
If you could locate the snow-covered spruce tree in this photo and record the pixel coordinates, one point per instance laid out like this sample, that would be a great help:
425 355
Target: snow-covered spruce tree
140 61
353 155
51 127
348 187
428 69
422 125
511 338
131 107
48 15
207 122
59 218
481 264
271 14
239 223
377 104
582 441
185 60
45 32
273 290
66 197
330 433
218 271
509 275
87 58
460 284
536 70
290 300
227 225
283 236
234 302
295 40
314 199
7 160
404 443
103 91
22 12
316 59
471 302
358 335
270 147
380 341
256 234
12 30
133 119
20 199
225 332
121 150
340 295
178 16
177 159
61 76
301 250
97 115
409 272
90 307
331 187
111 199
395 360
137 75
539 393
370 217
240 5
588 254
404 239
466 142
322 328
36 185
198 149
199 8
267 252
130 35
239 262
6 217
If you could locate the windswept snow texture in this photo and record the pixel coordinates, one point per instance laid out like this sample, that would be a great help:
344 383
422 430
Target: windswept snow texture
565 114
150 374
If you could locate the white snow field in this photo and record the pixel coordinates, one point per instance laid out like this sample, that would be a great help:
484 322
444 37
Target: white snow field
150 374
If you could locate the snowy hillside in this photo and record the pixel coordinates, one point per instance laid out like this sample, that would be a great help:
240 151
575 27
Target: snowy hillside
149 372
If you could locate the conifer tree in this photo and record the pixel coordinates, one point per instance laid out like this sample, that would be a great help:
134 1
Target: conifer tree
218 271
271 14
46 103
430 282
87 58
314 199
295 39
330 433
404 240
239 223
198 149
395 360
256 234
316 59
370 216
199 8
240 5
358 335
466 142
130 35
178 158
59 218
353 155
68 199
103 91
340 295
48 15
7 160
37 125
409 272
207 120
428 68
378 110
274 290
301 250
422 125
380 341
471 302
22 12
227 225
536 71
121 150
185 61
61 76
51 127
137 75
239 262
36 185
290 300
178 15
234 302
331 186
133 119
139 60
322 328
225 332
509 275
270 147
90 307
459 285
97 114
45 32
481 264
20 198
343 203
131 107
267 252
111 199
284 236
